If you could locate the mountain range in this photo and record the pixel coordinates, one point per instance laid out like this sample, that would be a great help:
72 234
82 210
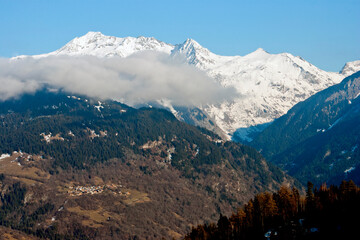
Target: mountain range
75 166
267 85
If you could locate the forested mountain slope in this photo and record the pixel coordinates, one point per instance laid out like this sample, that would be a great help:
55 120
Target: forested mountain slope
79 168
318 139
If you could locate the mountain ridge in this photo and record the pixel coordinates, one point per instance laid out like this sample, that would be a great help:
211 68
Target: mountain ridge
318 139
100 45
268 85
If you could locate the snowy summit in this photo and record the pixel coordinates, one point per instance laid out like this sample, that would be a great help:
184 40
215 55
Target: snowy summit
268 85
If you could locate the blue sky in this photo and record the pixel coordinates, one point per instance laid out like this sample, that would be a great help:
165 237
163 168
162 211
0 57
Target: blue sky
324 32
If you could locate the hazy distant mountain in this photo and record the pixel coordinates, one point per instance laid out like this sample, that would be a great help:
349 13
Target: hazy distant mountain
318 139
268 85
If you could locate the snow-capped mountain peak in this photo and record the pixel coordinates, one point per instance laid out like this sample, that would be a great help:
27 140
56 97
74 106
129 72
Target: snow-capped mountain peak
92 35
195 54
350 68
191 43
100 45
97 44
268 85
258 53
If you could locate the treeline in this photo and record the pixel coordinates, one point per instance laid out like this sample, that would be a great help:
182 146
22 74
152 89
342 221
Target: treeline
324 213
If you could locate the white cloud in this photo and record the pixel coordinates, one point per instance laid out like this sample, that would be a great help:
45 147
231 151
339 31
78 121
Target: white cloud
140 78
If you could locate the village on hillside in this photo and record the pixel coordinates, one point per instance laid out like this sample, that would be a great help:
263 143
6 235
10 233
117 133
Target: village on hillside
82 190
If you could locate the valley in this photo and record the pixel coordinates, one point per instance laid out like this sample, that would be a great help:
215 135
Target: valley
81 166
182 120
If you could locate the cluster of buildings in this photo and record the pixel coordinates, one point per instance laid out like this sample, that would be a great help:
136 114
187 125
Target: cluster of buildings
81 190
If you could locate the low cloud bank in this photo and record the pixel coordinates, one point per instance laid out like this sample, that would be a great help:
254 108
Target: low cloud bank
140 78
